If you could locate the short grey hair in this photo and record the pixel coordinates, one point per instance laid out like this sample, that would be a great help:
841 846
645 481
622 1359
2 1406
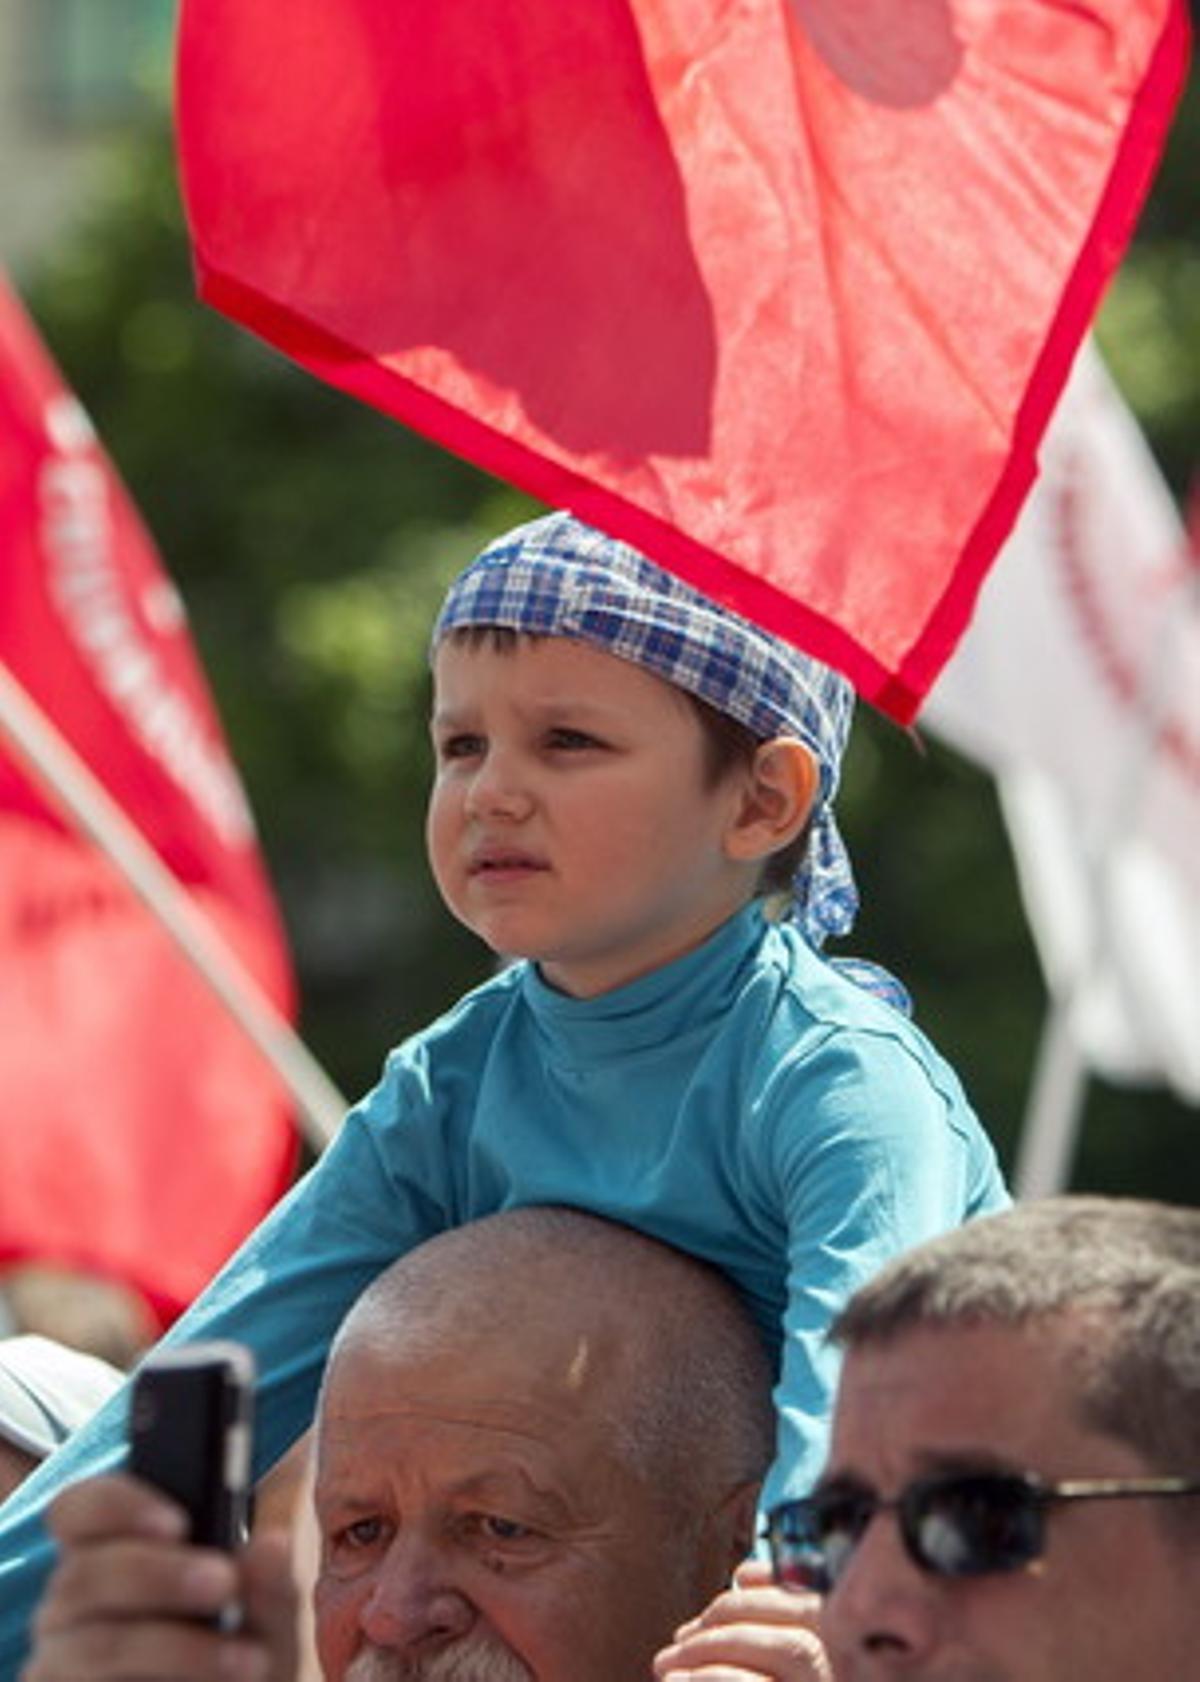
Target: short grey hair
1122 1275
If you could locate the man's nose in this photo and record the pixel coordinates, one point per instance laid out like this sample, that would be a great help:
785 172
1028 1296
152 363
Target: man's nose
414 1603
883 1603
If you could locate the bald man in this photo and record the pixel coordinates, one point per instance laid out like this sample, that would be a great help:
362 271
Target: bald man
539 1445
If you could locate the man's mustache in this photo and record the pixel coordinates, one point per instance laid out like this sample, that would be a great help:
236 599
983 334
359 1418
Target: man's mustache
468 1660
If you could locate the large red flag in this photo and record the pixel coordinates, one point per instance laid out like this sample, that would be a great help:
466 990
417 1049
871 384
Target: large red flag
782 293
141 1135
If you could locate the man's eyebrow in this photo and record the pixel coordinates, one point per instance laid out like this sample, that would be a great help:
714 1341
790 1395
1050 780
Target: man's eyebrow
505 1483
336 1500
968 1462
932 1462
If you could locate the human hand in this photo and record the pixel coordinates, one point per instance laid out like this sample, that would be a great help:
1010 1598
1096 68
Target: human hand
754 1632
128 1595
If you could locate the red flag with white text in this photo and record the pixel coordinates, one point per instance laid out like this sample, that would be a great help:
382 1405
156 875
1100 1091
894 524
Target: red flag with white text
141 1134
782 293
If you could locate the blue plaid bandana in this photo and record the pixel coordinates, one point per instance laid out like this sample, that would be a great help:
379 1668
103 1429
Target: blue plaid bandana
557 577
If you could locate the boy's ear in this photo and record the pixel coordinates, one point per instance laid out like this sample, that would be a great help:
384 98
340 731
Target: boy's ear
776 799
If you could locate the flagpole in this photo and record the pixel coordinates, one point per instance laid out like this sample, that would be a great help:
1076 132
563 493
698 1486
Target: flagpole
1055 1107
1054 1112
89 806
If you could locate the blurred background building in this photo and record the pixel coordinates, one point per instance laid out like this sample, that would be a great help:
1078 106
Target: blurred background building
74 76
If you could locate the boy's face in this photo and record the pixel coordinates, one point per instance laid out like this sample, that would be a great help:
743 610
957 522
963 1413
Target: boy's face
570 819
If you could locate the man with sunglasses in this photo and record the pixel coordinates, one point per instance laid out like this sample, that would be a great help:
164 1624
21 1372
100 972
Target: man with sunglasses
1013 1486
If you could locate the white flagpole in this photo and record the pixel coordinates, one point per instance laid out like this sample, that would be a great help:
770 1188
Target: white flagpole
1053 1116
88 805
1054 1111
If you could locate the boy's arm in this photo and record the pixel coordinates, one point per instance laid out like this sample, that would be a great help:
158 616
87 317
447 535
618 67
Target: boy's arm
870 1161
284 1294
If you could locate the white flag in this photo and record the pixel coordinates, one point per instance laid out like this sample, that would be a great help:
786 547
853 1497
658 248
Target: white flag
1078 686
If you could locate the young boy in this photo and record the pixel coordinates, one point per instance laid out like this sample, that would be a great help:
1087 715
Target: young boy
621 767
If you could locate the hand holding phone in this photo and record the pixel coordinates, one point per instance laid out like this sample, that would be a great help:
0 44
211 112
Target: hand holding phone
107 1610
190 1435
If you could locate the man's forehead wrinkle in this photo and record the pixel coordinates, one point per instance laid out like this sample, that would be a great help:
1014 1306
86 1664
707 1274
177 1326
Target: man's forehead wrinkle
871 1390
495 1482
543 1391
499 1419
564 1367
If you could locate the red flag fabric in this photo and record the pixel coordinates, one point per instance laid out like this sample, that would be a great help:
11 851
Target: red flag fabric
781 293
141 1135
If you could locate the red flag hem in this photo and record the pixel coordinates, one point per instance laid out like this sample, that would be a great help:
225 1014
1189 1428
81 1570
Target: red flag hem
340 365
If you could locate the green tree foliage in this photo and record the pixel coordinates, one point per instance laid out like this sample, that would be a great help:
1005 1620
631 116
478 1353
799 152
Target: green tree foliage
311 539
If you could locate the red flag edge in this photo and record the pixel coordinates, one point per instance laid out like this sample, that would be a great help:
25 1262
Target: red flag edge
1124 196
899 694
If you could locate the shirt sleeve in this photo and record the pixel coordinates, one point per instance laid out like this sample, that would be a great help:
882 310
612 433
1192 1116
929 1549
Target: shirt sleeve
377 1191
871 1157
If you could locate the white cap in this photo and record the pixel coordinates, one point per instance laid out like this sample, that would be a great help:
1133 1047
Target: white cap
47 1390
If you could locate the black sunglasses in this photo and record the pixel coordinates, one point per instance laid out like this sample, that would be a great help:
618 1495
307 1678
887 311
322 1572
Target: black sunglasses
956 1525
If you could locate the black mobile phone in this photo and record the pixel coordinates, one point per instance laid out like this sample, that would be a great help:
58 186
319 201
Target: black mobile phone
190 1423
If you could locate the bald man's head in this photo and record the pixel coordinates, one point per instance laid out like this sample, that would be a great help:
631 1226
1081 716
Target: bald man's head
539 1447
658 1340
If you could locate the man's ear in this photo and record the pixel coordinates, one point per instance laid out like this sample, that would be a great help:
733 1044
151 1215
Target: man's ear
733 1526
776 799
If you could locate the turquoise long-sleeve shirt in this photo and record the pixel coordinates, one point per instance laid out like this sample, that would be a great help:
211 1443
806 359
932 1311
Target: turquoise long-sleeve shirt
746 1103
